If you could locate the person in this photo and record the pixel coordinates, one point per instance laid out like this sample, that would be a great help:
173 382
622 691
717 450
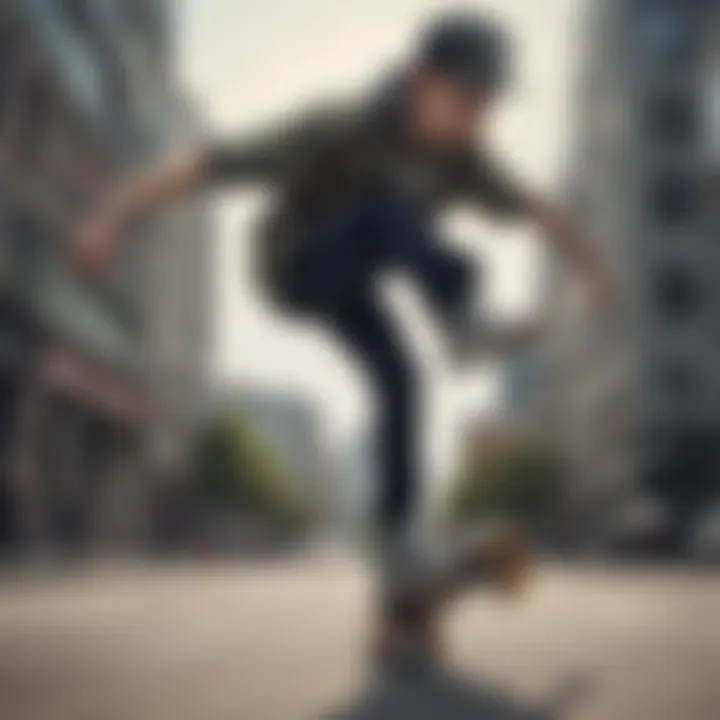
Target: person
357 188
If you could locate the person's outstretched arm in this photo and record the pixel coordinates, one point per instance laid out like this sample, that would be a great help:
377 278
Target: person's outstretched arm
254 159
100 233
567 238
490 188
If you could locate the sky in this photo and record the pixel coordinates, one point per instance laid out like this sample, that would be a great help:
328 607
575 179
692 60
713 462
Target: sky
248 61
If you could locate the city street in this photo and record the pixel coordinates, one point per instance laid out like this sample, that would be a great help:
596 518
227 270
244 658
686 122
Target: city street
285 642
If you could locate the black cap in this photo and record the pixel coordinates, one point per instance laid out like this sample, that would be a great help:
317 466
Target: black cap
469 48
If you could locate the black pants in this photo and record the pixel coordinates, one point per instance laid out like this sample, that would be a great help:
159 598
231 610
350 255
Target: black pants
333 277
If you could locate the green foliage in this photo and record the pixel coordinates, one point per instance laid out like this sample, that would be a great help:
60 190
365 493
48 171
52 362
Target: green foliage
514 477
237 469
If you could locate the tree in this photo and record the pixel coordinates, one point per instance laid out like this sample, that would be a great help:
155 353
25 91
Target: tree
238 470
513 477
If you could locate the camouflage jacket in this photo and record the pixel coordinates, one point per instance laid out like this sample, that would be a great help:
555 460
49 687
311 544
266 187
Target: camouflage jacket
323 157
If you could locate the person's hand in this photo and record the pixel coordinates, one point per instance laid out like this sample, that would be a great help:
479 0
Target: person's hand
94 246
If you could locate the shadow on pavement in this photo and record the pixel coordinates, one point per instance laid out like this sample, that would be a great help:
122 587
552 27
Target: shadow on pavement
431 696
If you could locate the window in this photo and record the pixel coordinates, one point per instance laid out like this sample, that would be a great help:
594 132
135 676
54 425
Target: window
678 295
61 153
34 111
672 120
148 19
678 379
25 244
665 35
118 95
5 87
6 64
11 43
672 200
78 14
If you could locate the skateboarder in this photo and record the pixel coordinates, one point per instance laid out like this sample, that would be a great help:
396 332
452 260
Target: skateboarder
357 187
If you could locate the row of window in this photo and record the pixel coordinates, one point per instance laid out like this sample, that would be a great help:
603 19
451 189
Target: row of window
145 17
672 127
671 34
41 135
25 250
31 257
672 124
121 95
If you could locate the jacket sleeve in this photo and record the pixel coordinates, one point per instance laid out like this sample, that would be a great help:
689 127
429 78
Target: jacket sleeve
252 157
270 154
484 184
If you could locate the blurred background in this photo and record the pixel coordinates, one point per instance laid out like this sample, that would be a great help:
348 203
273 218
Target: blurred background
170 413
109 393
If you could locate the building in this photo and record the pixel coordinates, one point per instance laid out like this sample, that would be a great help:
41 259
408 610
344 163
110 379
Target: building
79 106
357 488
526 389
638 404
176 301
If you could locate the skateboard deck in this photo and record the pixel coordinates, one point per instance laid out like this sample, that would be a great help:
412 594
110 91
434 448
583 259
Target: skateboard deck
410 628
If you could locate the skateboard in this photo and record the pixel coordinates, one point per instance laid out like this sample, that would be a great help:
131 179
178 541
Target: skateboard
409 629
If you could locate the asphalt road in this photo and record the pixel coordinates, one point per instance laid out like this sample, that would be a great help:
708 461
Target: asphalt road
285 642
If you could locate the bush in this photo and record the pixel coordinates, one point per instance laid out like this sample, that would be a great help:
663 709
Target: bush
513 478
238 470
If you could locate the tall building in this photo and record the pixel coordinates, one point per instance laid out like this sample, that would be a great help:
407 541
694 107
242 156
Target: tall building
525 386
639 400
357 490
176 298
81 86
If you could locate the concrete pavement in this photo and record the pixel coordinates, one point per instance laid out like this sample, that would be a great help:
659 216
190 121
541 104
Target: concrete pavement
285 642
